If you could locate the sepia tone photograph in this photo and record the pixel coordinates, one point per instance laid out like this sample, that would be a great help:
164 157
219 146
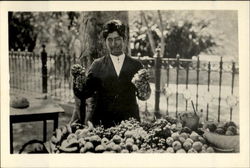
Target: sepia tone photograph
130 82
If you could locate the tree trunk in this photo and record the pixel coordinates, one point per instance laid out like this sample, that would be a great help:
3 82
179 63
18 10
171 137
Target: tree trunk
92 44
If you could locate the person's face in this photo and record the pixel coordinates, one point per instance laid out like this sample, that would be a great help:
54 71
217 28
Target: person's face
115 43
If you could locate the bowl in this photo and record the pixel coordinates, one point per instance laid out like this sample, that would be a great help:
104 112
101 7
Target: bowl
223 142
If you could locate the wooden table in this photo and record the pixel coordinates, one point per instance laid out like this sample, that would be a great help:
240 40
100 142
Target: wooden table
39 110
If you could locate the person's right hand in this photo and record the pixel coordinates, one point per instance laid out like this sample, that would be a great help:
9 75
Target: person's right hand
78 73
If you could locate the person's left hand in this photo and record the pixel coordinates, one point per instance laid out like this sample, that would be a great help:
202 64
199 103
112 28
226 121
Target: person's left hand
140 78
141 82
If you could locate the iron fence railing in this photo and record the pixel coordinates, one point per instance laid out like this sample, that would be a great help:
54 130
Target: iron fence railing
200 81
211 85
39 73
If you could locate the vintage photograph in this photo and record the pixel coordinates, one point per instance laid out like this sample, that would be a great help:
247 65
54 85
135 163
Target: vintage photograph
124 84
146 81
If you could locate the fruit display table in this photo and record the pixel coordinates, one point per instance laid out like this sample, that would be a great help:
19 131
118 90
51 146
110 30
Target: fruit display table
159 136
39 110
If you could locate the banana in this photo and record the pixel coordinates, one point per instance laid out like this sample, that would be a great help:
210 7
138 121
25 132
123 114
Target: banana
68 150
90 126
69 128
64 130
54 139
58 135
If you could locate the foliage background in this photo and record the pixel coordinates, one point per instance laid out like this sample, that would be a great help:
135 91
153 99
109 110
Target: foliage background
216 32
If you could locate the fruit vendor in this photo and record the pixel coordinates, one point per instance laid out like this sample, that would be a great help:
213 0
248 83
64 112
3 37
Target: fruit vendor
114 81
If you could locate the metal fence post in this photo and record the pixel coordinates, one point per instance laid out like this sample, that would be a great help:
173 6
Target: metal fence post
220 83
232 88
44 71
177 82
197 82
157 82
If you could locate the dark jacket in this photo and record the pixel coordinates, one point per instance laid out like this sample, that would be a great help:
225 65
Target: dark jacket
114 97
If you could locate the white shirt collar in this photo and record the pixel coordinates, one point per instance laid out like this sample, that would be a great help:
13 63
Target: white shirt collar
117 62
122 56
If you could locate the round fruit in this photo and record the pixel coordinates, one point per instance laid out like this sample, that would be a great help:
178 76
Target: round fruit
194 136
233 129
124 151
204 147
187 130
192 150
197 146
135 148
203 151
220 131
170 150
210 150
104 140
100 149
117 139
116 148
181 139
129 146
175 136
230 133
176 145
230 123
211 126
89 145
130 140
138 141
201 139
110 146
173 127
184 135
187 145
128 134
169 141
181 151
189 140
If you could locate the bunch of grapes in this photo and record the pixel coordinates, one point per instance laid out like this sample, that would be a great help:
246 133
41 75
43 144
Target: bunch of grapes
157 133
78 73
140 80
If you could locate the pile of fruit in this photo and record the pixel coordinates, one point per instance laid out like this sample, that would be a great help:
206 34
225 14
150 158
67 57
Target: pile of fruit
162 135
227 128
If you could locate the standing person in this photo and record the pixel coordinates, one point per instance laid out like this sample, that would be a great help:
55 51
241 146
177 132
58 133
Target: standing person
109 81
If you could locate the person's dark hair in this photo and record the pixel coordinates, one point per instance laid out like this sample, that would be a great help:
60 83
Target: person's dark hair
112 26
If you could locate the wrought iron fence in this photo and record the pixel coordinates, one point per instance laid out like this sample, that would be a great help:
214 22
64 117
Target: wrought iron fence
204 82
41 73
207 83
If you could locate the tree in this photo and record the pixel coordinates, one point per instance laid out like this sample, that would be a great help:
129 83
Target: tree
91 23
21 31
183 34
31 30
